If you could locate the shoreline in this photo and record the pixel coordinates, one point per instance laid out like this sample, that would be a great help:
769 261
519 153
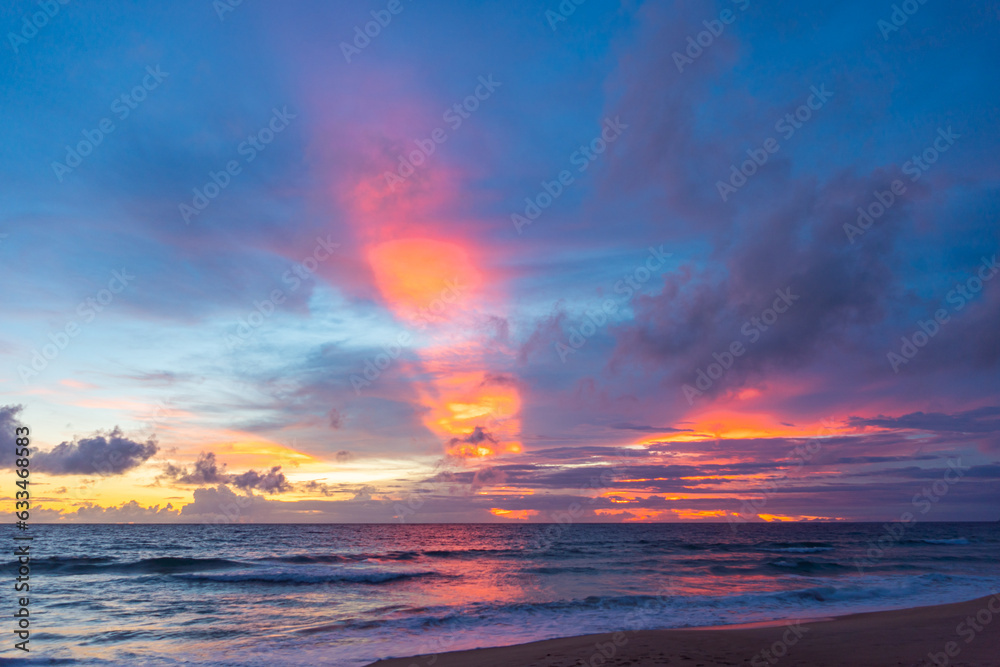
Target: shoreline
955 634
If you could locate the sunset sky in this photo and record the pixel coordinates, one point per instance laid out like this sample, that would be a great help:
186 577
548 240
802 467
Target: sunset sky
499 260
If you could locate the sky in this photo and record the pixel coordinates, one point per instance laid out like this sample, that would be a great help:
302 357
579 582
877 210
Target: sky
501 262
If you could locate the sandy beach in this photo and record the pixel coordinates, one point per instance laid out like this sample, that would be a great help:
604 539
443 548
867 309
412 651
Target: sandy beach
965 633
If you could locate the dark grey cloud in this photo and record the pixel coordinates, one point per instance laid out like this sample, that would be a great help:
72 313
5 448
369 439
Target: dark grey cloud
478 435
884 459
980 420
316 486
208 470
490 476
625 426
499 379
8 425
273 481
987 471
588 452
109 454
101 454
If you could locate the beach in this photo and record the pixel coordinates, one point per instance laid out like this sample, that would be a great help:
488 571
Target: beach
964 634
350 595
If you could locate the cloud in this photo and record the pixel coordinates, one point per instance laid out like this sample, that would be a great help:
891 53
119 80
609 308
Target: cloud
8 424
624 426
208 470
316 486
477 436
488 477
221 504
980 420
884 459
273 481
110 454
127 512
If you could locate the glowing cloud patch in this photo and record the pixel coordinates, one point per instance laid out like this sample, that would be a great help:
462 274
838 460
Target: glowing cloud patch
520 515
420 277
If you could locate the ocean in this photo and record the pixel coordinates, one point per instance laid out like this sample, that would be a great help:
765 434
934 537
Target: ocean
347 595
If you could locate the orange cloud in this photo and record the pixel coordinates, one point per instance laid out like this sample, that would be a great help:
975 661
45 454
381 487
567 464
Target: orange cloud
772 518
432 276
520 515
422 278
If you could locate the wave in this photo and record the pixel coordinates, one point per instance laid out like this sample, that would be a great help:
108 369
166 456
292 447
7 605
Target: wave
954 540
611 613
798 550
560 570
465 553
783 566
310 559
803 566
75 560
796 545
292 577
305 559
108 565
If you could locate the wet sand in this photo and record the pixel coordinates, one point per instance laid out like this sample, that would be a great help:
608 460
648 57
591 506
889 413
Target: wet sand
965 634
